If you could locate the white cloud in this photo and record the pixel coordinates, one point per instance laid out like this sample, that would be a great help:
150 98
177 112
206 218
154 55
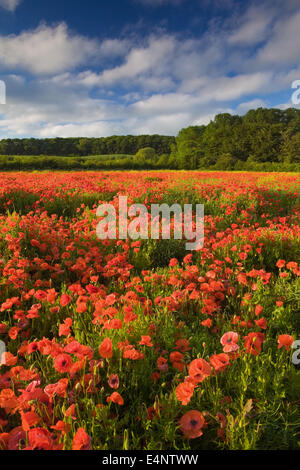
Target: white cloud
253 104
9 5
45 50
153 57
49 50
284 45
254 27
89 129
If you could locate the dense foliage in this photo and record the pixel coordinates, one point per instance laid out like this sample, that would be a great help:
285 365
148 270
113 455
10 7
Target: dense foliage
72 146
227 142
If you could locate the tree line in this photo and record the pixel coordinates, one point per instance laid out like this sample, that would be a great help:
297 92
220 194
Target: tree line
77 146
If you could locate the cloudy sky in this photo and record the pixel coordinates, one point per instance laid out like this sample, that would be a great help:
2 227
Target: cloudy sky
97 68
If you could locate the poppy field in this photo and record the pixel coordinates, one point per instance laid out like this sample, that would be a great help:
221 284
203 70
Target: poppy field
141 344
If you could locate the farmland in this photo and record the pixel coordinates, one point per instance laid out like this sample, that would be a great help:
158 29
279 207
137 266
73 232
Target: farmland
140 344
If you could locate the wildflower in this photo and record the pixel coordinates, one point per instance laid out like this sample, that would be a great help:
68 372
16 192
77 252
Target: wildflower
162 364
13 332
65 299
219 361
81 440
261 323
115 397
285 341
258 310
229 341
62 427
29 420
207 322
105 349
39 439
8 400
64 328
63 363
16 439
146 340
130 352
173 262
199 369
253 343
184 392
113 381
71 412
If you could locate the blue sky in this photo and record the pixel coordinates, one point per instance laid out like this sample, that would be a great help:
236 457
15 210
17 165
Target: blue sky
98 68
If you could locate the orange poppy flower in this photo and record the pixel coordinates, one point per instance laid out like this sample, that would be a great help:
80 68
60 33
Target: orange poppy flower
81 440
199 369
207 322
29 420
261 323
176 356
13 332
253 343
8 359
105 348
191 424
64 328
62 427
184 392
8 400
71 412
146 340
286 341
229 341
219 361
130 352
17 439
39 439
115 397
63 363
162 364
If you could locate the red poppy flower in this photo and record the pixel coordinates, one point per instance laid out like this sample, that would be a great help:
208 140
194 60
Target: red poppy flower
253 343
285 341
162 364
16 439
81 440
39 439
146 340
105 348
113 381
219 361
115 397
191 424
229 341
65 299
63 363
199 369
184 392
29 420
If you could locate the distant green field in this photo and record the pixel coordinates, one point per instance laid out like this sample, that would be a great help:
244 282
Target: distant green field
121 162
37 162
108 157
97 157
